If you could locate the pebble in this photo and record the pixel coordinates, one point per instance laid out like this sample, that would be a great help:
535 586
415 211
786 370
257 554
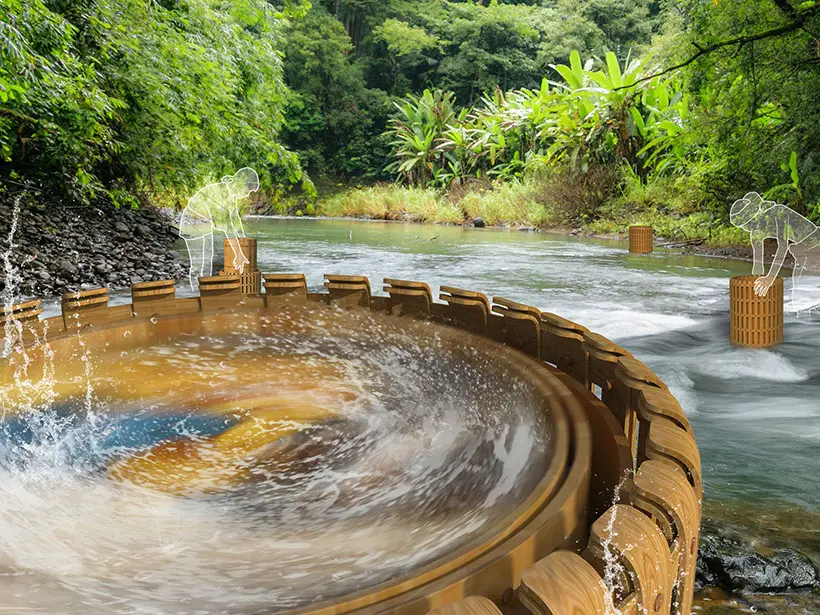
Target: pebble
61 249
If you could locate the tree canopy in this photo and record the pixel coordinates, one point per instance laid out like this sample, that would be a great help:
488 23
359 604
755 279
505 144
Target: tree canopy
140 100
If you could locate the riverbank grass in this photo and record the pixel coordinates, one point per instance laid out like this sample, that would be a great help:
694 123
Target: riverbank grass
509 204
547 204
390 202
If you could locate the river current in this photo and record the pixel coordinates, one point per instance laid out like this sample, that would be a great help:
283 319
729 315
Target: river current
756 413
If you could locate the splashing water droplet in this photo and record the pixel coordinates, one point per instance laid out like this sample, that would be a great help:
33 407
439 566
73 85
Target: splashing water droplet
126 334
154 319
612 566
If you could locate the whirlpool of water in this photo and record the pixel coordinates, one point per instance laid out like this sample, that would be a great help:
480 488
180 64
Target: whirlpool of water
227 465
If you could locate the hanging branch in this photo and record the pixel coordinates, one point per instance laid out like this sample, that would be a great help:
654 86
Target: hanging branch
796 24
787 8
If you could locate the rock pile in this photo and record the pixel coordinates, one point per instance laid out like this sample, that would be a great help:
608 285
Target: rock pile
725 563
59 249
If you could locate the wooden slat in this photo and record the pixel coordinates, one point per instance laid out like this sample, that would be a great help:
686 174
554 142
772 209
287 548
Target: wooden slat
640 548
554 320
409 297
473 605
562 345
515 306
631 377
219 282
348 290
637 370
602 359
662 403
599 342
219 292
663 486
563 583
466 309
85 307
153 298
653 403
291 287
23 319
20 312
521 325
466 294
668 442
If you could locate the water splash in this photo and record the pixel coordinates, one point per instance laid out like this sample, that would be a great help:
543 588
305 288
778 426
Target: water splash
13 329
613 569
410 470
30 392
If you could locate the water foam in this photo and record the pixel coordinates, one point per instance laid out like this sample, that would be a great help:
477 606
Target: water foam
751 363
429 450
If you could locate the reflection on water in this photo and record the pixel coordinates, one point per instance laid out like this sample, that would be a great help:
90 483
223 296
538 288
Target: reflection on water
216 471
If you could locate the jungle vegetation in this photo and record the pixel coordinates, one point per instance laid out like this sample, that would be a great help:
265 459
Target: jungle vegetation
543 112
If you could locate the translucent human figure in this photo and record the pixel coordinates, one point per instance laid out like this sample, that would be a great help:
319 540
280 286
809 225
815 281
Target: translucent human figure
794 234
215 208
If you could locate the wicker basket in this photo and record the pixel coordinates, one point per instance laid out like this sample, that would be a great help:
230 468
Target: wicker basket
756 321
641 239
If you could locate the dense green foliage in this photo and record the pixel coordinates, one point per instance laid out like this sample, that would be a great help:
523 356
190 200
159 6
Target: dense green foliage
757 112
591 117
141 99
724 124
688 104
348 56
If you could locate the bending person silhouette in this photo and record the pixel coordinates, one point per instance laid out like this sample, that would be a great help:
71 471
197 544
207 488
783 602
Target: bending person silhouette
795 235
215 208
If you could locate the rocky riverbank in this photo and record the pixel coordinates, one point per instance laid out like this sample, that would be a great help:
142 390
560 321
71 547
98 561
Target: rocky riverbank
55 249
758 559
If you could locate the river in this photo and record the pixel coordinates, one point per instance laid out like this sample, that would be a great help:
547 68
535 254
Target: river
77 539
755 412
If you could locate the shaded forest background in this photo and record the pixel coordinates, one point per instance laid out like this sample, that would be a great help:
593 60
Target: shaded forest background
543 112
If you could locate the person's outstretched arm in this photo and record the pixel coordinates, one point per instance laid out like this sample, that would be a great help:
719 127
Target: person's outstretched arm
236 221
781 223
757 254
237 231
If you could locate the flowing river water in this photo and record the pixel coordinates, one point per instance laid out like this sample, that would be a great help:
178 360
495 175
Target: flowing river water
756 413
70 542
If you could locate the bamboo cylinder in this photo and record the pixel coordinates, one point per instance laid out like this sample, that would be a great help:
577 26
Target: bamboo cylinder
247 246
756 322
641 239
250 276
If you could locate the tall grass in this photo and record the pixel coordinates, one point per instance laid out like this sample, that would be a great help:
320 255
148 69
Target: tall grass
514 202
596 204
391 202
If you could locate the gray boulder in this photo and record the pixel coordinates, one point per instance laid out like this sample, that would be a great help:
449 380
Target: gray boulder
722 562
67 268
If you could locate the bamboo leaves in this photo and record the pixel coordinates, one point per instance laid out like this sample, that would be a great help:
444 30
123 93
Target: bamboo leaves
601 116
